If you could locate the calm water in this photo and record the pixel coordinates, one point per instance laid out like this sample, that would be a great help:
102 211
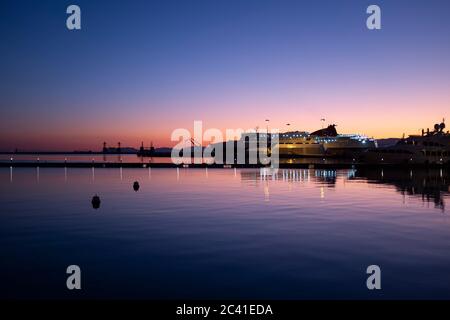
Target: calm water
224 233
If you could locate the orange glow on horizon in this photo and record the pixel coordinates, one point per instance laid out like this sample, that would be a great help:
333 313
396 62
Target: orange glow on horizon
375 119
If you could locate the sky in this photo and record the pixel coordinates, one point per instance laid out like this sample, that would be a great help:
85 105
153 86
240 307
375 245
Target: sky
137 70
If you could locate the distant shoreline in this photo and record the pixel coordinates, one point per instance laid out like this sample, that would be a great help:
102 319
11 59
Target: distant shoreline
63 152
381 143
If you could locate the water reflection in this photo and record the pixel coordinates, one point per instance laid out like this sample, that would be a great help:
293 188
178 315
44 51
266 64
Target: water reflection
431 185
327 177
230 225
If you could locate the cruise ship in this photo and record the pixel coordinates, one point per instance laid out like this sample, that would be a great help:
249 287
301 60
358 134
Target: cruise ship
321 143
431 147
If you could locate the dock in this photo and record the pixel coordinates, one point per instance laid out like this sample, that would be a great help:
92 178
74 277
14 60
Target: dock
342 165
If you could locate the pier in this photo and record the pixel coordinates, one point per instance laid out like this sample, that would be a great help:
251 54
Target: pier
324 165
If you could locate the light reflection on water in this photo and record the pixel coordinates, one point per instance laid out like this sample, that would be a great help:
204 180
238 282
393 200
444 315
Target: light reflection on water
224 233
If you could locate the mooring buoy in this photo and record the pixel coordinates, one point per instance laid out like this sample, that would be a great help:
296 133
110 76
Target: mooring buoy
136 186
96 202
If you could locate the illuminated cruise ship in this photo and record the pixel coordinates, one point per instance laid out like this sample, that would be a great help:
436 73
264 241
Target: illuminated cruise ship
324 142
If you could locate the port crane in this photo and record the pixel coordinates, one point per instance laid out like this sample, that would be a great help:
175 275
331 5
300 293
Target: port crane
193 142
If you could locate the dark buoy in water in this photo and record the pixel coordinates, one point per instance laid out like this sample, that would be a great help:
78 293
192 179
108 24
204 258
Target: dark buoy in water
95 202
136 186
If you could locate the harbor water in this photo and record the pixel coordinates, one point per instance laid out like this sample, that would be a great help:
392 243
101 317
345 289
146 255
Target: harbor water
224 233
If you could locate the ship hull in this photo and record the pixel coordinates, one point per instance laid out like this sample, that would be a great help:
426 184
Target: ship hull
395 155
306 150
